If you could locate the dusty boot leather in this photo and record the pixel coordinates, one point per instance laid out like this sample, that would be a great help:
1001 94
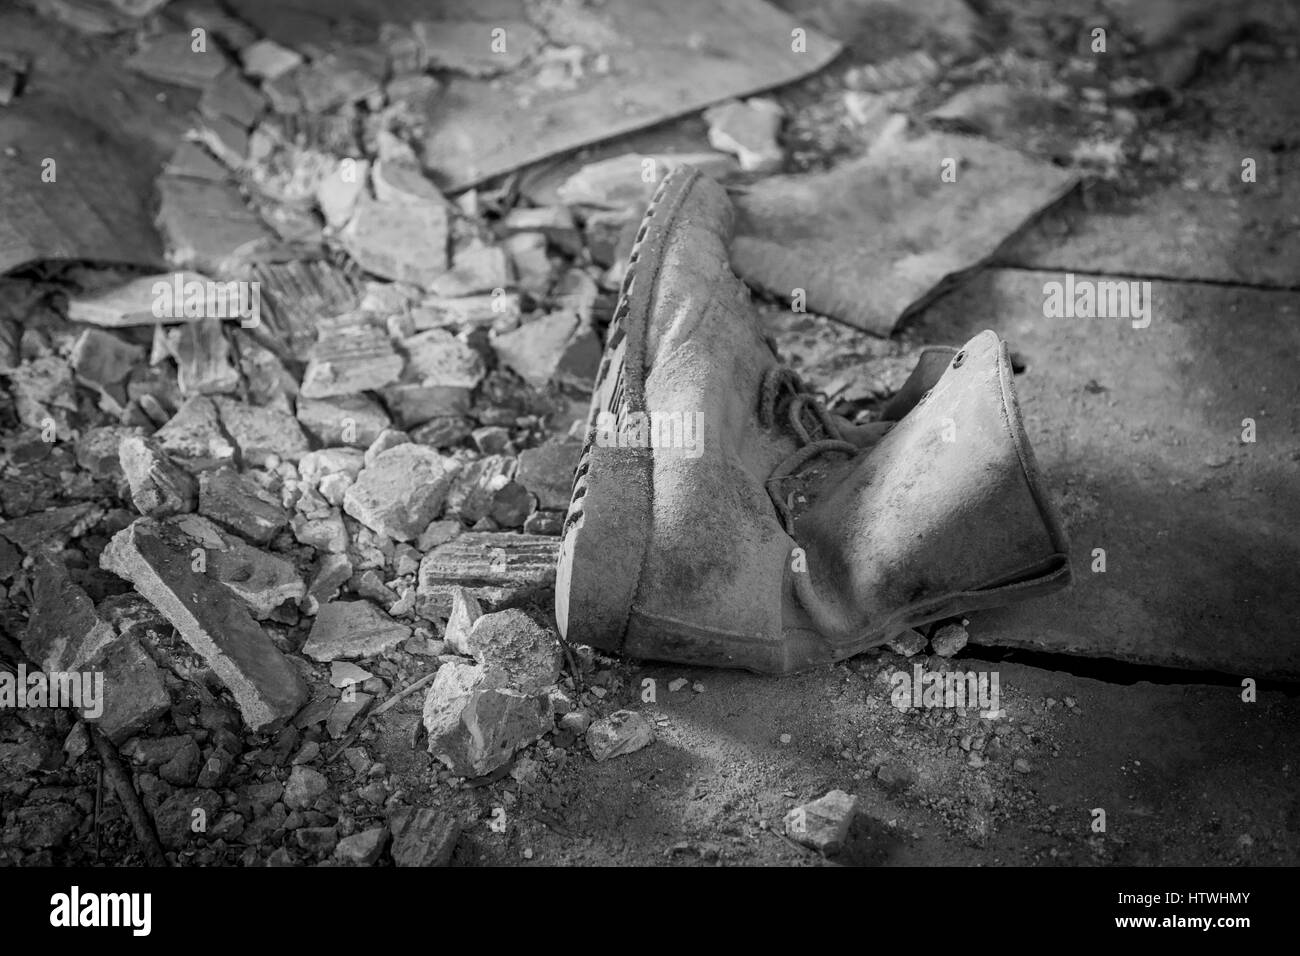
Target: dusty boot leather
720 517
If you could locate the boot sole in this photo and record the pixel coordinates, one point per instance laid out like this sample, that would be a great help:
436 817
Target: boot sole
608 525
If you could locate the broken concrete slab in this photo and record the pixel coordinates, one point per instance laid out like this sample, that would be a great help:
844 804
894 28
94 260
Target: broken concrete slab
1134 429
658 77
263 581
874 240
401 491
156 558
236 501
822 825
622 732
159 487
352 630
498 569
475 727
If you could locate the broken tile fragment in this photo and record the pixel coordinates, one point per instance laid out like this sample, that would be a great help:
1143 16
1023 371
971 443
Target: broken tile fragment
401 491
332 572
268 60
878 236
352 630
237 502
352 355
748 131
823 824
558 344
138 302
345 711
622 732
173 58
156 558
498 569
159 487
404 241
477 48
261 434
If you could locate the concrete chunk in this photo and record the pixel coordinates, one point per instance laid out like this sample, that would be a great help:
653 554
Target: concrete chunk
499 569
236 501
401 491
156 558
159 487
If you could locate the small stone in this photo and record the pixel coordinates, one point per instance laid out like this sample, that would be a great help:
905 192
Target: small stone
176 818
622 732
159 487
476 268
518 652
547 471
1021 765
948 640
182 769
907 644
677 684
318 841
362 849
401 491
304 786
492 440
785 738
339 190
466 46
327 534
576 722
465 611
171 58
352 630
896 777
823 825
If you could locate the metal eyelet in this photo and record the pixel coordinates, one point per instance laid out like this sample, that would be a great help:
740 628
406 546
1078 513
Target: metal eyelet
958 359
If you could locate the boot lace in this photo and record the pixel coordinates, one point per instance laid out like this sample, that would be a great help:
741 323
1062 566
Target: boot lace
808 418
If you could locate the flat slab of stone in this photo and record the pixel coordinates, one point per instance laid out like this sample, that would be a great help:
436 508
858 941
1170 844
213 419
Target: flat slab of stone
401 491
1138 433
157 559
352 630
263 581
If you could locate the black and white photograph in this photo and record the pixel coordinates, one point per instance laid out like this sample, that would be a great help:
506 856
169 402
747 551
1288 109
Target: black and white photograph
673 434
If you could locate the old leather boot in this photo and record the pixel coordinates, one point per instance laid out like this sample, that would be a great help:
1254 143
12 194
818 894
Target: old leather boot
720 516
